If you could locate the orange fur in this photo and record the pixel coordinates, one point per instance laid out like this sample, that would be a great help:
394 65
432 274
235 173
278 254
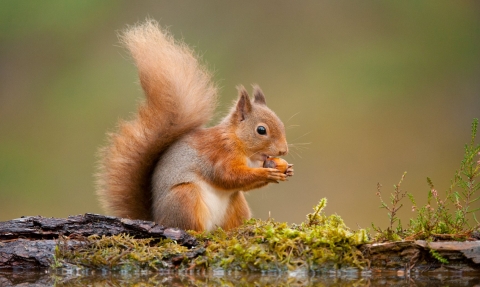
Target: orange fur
163 165
187 211
237 212
229 157
172 80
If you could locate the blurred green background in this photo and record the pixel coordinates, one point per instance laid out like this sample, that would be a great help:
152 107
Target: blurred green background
376 87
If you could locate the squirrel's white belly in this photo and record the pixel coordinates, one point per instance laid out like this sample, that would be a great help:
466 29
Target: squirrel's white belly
254 163
217 202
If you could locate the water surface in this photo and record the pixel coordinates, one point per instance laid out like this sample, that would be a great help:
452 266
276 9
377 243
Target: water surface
97 278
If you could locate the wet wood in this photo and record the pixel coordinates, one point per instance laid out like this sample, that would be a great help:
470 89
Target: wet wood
29 242
38 227
415 256
27 254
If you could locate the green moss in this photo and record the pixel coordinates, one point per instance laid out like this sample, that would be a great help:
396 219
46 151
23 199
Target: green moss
320 243
120 252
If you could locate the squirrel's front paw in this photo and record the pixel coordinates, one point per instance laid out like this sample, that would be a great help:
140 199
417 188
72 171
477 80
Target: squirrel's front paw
289 171
275 175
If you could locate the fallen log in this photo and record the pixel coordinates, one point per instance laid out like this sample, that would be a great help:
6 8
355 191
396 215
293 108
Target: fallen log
416 256
38 227
30 242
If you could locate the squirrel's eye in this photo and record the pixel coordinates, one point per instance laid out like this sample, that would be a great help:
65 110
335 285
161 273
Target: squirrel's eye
261 130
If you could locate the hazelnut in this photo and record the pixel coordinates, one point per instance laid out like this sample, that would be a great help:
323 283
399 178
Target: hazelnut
276 162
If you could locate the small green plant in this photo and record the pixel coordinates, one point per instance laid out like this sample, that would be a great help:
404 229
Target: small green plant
56 262
391 233
465 180
437 256
436 220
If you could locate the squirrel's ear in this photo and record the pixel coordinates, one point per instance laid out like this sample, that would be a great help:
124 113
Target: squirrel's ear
244 106
259 97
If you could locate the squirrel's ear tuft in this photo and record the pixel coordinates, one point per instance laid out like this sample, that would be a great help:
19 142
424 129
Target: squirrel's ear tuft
244 106
259 97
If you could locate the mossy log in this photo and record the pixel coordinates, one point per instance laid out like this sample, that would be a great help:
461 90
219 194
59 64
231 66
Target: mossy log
30 242
38 227
409 256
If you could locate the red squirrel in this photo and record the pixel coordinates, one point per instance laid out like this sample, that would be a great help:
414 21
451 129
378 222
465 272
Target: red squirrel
164 165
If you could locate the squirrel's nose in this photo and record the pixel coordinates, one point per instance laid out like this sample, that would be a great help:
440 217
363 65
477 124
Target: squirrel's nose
283 152
282 149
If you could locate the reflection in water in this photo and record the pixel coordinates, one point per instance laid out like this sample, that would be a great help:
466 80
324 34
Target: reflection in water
43 278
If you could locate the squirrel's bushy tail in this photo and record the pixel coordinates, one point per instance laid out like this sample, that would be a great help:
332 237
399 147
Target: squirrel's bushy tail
180 97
